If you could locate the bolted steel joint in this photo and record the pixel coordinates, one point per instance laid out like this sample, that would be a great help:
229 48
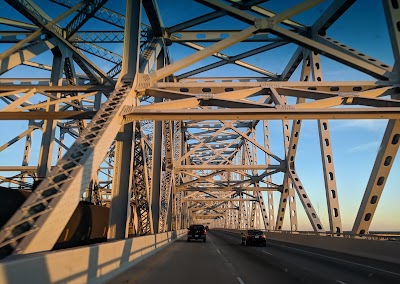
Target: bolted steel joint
284 107
142 82
263 24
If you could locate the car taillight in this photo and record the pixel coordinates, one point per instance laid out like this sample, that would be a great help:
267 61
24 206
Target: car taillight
263 236
205 232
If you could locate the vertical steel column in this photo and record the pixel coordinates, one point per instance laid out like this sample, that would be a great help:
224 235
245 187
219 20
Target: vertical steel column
292 208
332 198
271 211
255 193
185 209
251 159
240 220
253 212
60 144
291 154
97 101
247 213
28 144
288 185
122 179
230 212
233 216
140 187
177 196
259 216
236 219
240 214
294 139
165 177
288 192
168 226
121 185
156 175
49 126
27 149
156 169
252 156
166 182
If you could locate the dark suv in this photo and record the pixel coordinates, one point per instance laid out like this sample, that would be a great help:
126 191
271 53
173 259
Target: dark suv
254 237
196 232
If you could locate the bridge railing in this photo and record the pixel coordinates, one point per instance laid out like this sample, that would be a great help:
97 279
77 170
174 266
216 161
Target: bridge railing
90 264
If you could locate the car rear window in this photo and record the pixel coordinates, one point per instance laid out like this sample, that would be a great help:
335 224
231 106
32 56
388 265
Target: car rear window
197 227
255 232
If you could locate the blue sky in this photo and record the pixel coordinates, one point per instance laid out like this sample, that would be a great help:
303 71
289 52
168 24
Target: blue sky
354 143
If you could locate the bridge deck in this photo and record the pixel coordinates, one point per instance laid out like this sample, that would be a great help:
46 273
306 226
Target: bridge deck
223 260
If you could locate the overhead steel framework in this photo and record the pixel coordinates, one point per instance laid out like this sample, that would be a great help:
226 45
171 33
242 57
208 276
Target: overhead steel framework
162 147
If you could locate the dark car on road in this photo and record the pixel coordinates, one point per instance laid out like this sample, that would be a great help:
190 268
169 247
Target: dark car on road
254 237
196 232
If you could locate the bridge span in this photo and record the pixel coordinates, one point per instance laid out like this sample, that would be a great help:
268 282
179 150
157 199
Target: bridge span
124 122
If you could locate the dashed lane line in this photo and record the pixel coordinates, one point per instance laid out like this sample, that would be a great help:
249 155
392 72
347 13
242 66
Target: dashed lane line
341 282
267 252
229 265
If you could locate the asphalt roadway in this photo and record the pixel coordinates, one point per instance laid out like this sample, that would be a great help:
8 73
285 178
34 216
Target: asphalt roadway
222 259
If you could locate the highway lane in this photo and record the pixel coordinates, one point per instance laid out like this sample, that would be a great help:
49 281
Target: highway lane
315 265
196 262
223 260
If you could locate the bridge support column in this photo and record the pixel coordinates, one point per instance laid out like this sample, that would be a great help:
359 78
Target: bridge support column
49 126
331 192
122 180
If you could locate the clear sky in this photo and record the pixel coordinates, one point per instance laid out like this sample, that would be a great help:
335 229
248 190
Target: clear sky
355 143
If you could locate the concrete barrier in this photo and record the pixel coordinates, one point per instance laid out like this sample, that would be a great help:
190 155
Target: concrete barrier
388 251
90 264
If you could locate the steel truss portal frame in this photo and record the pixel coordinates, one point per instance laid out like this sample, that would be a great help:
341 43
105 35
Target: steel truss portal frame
164 148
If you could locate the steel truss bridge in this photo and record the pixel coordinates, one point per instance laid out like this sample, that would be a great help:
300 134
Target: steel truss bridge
163 148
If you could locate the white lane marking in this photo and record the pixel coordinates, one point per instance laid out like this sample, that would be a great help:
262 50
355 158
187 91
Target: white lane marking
367 266
216 248
267 252
341 282
228 264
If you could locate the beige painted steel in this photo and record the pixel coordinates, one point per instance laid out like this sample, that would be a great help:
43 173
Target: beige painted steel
379 174
331 191
212 175
170 69
291 151
266 114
